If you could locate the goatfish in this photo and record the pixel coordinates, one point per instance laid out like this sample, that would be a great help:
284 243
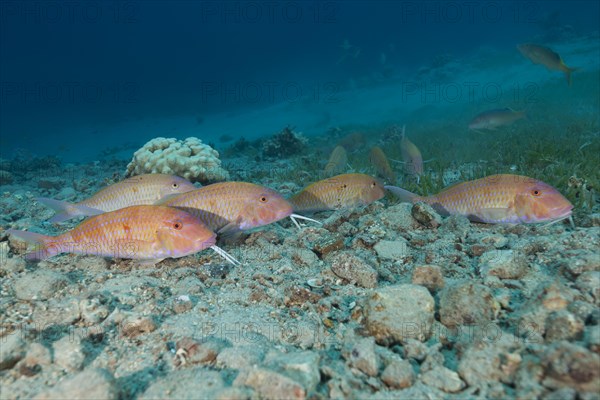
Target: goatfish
381 164
493 119
413 161
337 161
147 233
137 190
547 57
338 192
497 199
230 207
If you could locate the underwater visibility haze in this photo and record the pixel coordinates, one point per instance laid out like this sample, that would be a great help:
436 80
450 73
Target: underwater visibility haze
439 163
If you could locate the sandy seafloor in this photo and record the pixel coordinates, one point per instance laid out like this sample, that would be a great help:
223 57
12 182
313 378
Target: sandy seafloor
386 301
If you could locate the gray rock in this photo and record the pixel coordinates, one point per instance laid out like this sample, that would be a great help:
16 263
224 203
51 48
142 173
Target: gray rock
392 249
569 365
579 261
270 384
240 357
505 264
444 379
69 353
562 325
362 356
498 241
398 374
589 282
399 312
458 225
415 349
37 354
301 366
467 303
494 360
39 285
592 338
429 276
135 325
92 311
190 351
187 383
354 269
13 265
12 349
93 383
561 394
398 217
304 257
424 214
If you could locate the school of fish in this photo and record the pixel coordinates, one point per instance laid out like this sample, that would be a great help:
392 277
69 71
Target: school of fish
156 216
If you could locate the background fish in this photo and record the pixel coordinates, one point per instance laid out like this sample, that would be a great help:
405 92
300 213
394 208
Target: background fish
497 199
337 161
411 156
338 192
493 119
231 206
547 57
137 190
381 164
149 233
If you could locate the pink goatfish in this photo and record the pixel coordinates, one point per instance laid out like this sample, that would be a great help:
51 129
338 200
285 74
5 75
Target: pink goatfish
547 57
411 156
228 207
493 119
137 190
338 192
497 199
146 233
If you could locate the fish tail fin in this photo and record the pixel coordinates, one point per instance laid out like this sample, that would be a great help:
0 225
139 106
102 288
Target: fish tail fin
45 247
404 195
65 211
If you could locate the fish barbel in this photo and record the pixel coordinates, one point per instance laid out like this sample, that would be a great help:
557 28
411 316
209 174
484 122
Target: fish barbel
227 207
148 233
338 192
497 199
137 190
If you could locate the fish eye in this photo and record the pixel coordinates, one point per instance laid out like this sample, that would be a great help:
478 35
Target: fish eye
177 225
263 199
373 184
175 185
536 192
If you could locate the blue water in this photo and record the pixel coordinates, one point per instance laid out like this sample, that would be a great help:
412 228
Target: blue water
76 78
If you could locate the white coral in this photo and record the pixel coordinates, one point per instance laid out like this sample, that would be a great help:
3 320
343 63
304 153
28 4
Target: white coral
190 159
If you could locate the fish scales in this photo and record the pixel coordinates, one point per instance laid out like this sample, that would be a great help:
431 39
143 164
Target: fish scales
338 192
233 205
137 190
500 198
143 232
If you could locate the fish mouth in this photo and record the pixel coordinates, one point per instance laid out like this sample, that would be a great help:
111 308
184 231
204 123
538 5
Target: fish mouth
563 212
